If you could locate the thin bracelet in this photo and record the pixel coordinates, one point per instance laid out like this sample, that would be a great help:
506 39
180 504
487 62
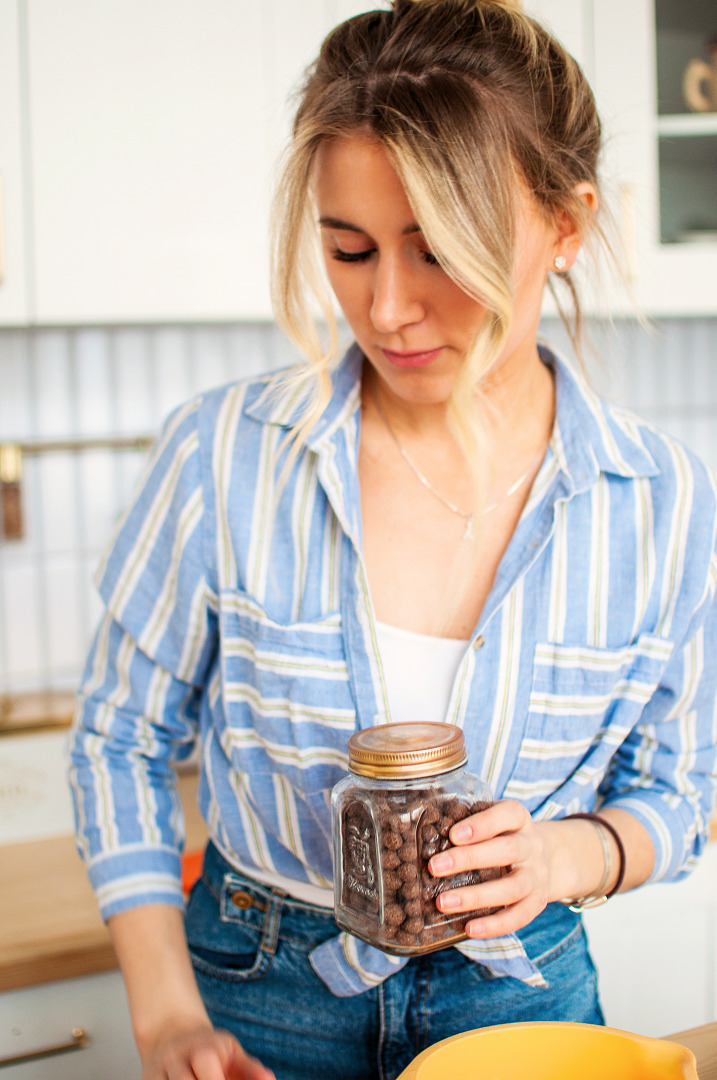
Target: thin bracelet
592 901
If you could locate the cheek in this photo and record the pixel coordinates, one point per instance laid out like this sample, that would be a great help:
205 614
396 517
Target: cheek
353 297
462 312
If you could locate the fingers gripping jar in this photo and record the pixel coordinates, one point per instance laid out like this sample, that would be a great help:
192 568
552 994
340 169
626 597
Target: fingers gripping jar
407 787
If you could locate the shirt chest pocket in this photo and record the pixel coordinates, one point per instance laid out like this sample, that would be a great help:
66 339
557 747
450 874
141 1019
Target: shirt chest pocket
583 703
288 704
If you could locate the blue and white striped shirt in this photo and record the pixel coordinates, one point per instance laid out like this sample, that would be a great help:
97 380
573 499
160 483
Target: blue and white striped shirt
591 676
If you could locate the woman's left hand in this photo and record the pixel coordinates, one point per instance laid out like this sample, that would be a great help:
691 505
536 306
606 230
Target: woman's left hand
503 835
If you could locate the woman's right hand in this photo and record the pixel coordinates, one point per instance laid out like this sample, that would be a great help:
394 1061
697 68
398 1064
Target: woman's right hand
174 1035
202 1053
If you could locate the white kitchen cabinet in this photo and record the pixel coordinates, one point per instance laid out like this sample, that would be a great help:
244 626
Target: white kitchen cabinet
147 125
154 133
656 953
43 1017
13 287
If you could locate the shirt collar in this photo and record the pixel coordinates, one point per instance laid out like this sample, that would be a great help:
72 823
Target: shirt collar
284 398
588 438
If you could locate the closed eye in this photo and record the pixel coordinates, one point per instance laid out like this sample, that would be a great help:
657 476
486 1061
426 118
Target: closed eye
351 256
361 256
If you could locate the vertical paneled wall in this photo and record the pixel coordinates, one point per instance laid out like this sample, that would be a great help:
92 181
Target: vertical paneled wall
59 384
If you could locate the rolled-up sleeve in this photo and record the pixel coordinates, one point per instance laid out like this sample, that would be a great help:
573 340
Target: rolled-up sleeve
139 701
665 772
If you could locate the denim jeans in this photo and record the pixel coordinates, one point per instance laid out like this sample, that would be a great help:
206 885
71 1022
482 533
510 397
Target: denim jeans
250 947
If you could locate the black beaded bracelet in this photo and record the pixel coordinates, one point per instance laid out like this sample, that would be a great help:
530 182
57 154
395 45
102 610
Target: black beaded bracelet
589 901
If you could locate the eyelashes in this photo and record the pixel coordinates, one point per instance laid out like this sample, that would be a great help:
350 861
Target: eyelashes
351 256
362 256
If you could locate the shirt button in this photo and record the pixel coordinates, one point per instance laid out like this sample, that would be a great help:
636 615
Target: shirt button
479 642
242 900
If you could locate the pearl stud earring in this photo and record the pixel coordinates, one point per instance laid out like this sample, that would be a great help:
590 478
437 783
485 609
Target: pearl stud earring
560 262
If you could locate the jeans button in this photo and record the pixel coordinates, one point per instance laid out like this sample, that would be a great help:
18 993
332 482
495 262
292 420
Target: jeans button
242 900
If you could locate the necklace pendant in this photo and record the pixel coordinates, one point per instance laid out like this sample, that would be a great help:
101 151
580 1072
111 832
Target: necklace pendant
468 534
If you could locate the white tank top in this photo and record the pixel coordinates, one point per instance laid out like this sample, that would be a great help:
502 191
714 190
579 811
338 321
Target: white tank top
420 671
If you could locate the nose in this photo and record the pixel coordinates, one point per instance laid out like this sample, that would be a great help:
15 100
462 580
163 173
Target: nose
397 299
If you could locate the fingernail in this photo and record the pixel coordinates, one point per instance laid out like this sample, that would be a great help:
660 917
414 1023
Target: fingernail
450 901
475 929
461 832
441 862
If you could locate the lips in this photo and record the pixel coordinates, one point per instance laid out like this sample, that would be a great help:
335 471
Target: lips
411 359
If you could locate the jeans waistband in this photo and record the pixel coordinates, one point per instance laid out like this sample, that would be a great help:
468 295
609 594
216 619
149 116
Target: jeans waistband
216 867
552 929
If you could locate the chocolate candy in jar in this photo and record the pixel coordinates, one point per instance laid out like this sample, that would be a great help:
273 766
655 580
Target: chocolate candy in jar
407 786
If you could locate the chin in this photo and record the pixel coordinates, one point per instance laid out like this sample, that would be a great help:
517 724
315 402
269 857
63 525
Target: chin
419 386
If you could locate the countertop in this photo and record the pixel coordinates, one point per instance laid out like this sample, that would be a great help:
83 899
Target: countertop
702 1041
50 926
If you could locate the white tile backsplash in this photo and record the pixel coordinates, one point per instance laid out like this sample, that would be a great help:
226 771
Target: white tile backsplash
61 383
55 414
99 497
25 661
15 388
93 392
172 368
57 479
64 589
132 383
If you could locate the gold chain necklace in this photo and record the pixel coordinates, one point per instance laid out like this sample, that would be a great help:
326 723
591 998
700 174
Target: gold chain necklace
467 517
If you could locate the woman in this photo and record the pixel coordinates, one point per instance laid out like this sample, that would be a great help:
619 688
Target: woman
444 524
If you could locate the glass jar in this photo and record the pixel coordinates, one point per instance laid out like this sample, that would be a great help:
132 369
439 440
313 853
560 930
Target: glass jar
407 787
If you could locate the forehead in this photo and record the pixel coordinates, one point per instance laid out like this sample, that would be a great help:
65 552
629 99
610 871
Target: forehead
354 179
356 170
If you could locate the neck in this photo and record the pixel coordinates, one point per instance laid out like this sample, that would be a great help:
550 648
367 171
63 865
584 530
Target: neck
521 402
516 406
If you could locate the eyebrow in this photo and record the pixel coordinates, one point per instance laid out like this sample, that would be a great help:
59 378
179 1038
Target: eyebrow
337 223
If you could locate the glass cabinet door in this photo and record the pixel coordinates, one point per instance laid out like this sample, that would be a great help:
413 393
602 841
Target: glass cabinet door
686 76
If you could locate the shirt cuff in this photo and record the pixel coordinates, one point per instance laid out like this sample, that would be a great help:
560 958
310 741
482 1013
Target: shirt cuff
136 876
676 835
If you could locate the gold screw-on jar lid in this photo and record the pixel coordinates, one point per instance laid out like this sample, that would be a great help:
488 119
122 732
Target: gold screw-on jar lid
402 751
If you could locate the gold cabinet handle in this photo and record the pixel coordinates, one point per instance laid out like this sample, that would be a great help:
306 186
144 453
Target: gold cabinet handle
80 1039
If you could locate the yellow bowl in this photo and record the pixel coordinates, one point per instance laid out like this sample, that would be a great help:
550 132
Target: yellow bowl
552 1051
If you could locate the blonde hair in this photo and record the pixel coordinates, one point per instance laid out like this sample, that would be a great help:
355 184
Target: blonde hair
468 98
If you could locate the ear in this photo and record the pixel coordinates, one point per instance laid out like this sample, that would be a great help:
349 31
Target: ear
570 230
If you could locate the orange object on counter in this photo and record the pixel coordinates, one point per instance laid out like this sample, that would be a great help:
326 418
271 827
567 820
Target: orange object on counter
552 1051
191 869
